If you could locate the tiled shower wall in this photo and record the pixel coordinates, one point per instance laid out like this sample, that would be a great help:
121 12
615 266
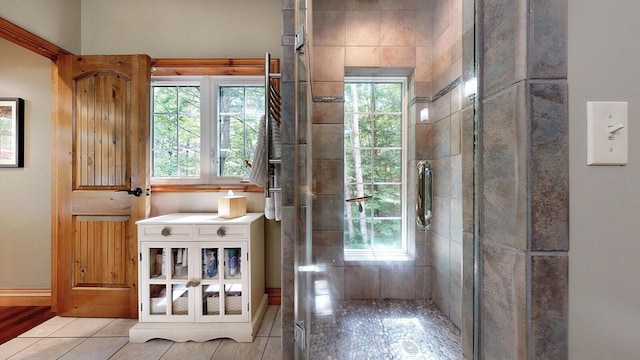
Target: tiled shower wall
439 140
422 35
524 229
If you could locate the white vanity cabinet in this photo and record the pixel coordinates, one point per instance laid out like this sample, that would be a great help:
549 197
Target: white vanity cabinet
201 277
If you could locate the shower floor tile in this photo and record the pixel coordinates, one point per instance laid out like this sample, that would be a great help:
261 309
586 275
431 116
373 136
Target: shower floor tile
384 329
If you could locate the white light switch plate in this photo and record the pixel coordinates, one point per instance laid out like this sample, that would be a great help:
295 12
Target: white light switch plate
607 133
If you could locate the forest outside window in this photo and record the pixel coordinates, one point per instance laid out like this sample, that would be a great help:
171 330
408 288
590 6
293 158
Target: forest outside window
375 175
204 128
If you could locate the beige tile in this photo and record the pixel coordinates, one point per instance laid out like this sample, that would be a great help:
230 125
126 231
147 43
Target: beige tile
48 327
329 63
423 27
276 330
273 351
362 282
267 321
455 133
398 28
423 63
363 28
398 56
119 327
96 348
398 4
329 28
331 88
329 5
82 327
328 113
192 350
361 5
231 350
48 348
362 56
423 88
150 350
396 282
14 346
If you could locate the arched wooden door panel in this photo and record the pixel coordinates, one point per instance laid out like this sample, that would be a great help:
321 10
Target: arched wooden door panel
101 151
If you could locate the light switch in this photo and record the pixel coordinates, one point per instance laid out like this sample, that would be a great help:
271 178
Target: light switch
607 133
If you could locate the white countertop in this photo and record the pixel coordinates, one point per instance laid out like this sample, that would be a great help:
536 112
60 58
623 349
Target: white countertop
199 219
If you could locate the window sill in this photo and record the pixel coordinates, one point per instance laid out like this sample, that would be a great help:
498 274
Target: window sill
369 256
207 187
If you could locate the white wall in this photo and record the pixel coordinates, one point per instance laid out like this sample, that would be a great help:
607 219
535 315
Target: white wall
25 193
604 283
57 21
186 28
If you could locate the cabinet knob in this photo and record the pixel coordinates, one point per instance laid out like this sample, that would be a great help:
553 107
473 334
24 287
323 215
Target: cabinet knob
166 231
192 283
221 231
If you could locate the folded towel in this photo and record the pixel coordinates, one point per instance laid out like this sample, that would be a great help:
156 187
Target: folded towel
258 175
276 141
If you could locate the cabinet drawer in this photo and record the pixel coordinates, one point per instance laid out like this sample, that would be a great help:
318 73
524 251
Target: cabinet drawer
167 231
221 232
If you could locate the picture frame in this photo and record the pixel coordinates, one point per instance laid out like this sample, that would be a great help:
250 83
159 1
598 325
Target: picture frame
11 132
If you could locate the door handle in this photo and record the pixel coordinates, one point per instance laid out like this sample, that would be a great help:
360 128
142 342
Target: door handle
137 192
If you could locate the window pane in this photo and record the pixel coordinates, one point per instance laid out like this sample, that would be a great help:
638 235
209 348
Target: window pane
356 209
387 165
189 100
388 97
358 131
357 165
357 233
165 163
386 201
373 165
358 97
240 110
388 131
387 233
165 99
176 131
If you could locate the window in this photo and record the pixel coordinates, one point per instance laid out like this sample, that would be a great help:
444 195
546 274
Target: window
204 128
374 171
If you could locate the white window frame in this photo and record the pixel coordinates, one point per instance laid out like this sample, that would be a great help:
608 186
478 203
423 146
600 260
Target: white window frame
403 253
209 89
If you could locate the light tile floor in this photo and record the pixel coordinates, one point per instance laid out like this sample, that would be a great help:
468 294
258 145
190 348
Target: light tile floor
93 339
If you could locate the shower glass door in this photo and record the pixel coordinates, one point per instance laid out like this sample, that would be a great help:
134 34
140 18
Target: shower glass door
303 244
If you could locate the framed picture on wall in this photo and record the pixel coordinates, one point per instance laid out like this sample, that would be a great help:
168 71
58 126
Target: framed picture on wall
11 132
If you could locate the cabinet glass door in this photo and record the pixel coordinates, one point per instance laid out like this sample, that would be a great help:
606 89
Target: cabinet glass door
210 263
210 282
167 296
233 299
233 263
157 299
235 289
179 299
210 300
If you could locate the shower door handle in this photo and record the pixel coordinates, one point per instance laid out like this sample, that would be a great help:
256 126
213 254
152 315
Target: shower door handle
424 194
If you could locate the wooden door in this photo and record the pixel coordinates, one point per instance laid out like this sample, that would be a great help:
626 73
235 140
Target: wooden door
101 150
